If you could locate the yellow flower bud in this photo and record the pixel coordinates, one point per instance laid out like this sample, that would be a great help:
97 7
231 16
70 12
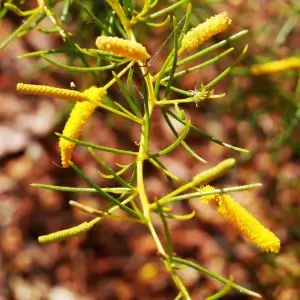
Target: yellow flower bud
126 48
64 234
205 31
242 220
78 117
276 66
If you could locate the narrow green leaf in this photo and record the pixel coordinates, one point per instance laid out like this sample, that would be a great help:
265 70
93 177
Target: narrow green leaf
161 24
65 11
153 3
108 56
174 61
178 297
201 178
213 192
158 164
200 66
21 13
49 31
120 113
223 292
207 136
158 77
180 217
215 276
23 29
132 91
126 111
177 142
167 234
77 69
168 9
211 48
183 143
92 16
113 190
47 52
109 169
101 192
186 22
97 147
122 171
127 96
177 90
146 132
225 72
128 8
3 11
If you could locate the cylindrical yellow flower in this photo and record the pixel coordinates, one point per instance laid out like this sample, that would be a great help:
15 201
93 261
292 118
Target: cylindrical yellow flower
50 91
78 117
290 63
205 31
241 219
126 48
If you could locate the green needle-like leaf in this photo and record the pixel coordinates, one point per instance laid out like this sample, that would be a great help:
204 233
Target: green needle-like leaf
109 169
207 136
174 62
77 69
215 276
70 189
97 147
177 142
127 96
168 9
101 192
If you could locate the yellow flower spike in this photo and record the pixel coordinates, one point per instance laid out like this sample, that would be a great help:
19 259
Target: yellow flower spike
290 63
44 90
126 48
78 117
242 220
205 31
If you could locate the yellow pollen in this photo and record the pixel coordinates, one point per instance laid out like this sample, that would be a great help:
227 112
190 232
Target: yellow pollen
80 114
126 48
276 66
242 220
205 31
44 90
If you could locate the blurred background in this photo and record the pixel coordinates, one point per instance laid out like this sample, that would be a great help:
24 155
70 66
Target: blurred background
118 260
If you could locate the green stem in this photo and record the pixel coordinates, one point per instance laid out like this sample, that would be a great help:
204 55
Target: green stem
215 276
21 30
167 263
142 156
110 83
